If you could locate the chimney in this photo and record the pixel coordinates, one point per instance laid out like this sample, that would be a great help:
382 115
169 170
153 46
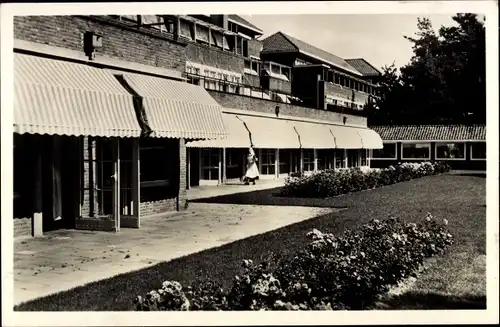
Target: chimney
219 20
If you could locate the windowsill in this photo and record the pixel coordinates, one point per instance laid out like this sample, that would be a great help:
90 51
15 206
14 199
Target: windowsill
450 159
478 159
416 159
395 158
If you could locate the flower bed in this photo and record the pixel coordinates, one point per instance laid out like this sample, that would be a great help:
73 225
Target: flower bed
327 183
332 273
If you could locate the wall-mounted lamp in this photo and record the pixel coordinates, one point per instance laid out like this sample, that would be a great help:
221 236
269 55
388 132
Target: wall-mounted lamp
277 111
91 41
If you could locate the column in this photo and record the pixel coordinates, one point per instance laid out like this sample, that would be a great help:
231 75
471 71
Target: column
334 159
136 181
194 30
315 151
188 172
37 222
219 177
301 159
259 156
200 165
277 163
224 165
209 37
235 50
116 186
346 159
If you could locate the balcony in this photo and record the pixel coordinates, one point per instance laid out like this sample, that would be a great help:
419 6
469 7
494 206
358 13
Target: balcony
343 96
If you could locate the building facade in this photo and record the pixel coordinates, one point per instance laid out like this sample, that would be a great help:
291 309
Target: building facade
462 147
116 116
299 106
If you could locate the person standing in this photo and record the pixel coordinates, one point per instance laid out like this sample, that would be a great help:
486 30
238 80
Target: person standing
252 172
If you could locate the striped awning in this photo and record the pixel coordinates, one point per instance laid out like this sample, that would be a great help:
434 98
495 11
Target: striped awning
314 135
346 137
63 98
178 110
370 139
237 135
271 133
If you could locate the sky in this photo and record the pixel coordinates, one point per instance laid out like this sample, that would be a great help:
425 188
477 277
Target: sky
376 38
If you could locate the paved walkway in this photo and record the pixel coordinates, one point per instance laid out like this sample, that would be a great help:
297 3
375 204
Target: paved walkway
232 188
65 259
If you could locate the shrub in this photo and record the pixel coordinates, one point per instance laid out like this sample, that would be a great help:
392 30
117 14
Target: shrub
332 273
329 183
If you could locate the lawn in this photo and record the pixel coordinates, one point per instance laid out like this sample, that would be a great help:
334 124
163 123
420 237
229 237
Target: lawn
455 280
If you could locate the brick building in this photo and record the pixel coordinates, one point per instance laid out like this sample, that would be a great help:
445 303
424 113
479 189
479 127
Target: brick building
116 116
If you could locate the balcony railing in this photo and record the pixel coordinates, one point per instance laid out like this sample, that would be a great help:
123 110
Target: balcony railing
243 89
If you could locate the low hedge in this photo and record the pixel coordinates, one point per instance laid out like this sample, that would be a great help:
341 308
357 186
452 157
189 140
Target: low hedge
327 183
332 273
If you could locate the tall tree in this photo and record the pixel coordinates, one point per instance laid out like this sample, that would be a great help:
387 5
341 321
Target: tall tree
444 82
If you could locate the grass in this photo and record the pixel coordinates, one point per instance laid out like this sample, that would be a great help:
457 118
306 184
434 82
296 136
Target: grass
455 280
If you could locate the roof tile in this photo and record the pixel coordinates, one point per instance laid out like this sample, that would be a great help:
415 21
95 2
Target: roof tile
363 66
431 132
281 42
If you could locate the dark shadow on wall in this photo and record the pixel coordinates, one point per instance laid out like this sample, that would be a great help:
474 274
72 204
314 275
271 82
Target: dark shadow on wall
432 301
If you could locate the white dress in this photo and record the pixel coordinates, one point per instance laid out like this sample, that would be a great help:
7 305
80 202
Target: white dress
252 168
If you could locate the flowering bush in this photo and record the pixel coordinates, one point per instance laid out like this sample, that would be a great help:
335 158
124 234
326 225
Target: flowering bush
332 273
330 182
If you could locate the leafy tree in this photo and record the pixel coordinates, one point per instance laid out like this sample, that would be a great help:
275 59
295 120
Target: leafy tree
444 82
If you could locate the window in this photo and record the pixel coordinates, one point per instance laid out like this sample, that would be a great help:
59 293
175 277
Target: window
245 48
268 157
275 69
337 79
363 157
308 159
157 168
478 151
416 151
193 80
284 161
352 158
388 152
210 164
450 151
256 66
248 64
339 158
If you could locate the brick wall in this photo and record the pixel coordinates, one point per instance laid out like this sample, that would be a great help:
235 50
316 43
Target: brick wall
156 207
145 46
214 57
252 80
183 175
254 47
228 100
22 227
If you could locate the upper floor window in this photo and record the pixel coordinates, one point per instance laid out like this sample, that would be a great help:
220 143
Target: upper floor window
232 27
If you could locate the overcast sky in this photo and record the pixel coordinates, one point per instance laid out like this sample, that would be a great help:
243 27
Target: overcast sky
376 38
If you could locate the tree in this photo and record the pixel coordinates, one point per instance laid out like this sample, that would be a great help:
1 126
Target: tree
444 82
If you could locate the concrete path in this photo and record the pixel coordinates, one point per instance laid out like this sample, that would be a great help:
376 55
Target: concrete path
66 259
